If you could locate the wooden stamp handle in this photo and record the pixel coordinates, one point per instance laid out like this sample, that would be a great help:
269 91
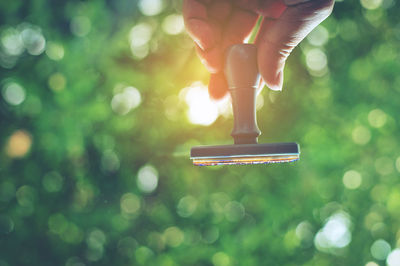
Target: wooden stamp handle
242 75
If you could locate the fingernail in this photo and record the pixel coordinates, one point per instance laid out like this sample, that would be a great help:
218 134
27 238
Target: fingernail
199 44
278 82
261 86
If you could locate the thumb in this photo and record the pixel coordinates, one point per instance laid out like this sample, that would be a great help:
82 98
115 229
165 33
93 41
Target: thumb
278 37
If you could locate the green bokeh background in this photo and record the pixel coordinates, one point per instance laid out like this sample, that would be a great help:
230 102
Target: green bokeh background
74 197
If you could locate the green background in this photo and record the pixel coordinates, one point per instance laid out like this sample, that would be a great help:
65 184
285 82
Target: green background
87 182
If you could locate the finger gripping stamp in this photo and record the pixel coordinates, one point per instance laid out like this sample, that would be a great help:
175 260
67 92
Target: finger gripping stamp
243 79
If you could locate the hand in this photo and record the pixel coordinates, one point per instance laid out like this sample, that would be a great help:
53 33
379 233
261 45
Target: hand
214 25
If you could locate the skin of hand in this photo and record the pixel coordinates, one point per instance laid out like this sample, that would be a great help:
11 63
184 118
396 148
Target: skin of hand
215 25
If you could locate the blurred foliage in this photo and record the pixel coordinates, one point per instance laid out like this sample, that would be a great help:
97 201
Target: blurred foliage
95 139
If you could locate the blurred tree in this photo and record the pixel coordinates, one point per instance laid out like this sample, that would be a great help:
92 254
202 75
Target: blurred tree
102 100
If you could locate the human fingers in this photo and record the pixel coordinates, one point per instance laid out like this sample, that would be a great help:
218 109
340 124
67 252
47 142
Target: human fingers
214 26
205 20
205 32
278 37
238 27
